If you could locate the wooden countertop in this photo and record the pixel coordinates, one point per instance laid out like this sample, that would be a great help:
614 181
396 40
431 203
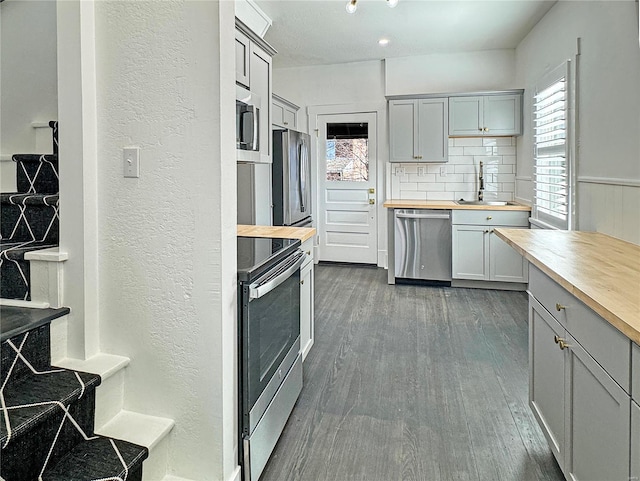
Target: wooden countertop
280 232
601 271
447 204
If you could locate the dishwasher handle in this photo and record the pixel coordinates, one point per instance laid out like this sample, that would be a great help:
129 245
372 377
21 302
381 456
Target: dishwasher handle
402 215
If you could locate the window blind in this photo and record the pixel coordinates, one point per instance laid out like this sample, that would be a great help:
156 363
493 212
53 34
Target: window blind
551 170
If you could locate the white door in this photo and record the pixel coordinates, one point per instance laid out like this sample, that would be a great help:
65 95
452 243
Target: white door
347 197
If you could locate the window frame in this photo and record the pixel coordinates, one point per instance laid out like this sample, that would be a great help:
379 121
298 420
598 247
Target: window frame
543 219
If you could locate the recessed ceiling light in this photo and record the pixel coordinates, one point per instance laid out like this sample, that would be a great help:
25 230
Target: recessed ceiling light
383 42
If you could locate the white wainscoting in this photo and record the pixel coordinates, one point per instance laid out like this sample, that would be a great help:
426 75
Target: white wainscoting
610 206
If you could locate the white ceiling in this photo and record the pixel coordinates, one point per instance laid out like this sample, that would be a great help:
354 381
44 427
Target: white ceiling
317 32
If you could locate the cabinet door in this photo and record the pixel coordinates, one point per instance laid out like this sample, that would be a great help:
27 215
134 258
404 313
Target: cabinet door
433 139
403 134
466 115
242 58
599 411
469 252
505 264
277 114
503 115
290 118
547 370
306 308
260 68
635 442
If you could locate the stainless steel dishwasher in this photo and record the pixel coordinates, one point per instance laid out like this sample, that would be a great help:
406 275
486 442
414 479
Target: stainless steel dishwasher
423 244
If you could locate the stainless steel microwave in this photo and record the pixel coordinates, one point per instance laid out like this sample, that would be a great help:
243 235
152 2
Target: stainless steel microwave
247 125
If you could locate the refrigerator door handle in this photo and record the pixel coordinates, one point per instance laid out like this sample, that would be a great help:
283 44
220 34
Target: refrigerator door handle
301 175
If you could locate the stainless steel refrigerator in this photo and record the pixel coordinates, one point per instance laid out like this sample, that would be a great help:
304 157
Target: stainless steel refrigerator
291 178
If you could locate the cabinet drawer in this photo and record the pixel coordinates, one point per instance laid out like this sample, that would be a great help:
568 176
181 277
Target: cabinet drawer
600 339
491 217
307 247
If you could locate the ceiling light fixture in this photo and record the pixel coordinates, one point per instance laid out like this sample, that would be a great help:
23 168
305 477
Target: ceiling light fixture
352 5
383 42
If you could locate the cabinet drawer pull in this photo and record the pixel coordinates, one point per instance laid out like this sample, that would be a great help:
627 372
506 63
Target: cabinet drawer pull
562 344
489 217
560 307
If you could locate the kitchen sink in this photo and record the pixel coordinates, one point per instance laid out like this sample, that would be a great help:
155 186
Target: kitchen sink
483 202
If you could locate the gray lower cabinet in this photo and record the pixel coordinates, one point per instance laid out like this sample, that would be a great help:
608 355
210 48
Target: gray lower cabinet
584 413
307 280
635 442
478 254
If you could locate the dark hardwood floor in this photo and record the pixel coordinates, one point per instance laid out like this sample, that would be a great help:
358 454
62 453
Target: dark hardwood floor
413 383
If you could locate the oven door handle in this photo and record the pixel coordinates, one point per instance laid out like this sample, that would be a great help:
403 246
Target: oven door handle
256 291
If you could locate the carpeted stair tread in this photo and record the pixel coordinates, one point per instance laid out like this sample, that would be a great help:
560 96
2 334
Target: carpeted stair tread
32 399
15 251
29 199
99 458
18 320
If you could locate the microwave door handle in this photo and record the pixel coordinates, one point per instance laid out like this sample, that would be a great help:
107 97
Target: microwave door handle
300 176
256 113
256 291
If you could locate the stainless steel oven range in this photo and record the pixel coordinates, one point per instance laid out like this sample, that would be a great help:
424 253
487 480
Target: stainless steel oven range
269 361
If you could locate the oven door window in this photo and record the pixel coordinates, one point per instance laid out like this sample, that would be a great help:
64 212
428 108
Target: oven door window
273 325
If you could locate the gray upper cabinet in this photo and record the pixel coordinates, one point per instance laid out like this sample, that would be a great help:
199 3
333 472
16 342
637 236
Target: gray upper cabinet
284 113
485 115
242 58
253 71
418 130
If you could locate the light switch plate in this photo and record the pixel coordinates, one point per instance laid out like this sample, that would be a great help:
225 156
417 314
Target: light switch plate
399 171
131 161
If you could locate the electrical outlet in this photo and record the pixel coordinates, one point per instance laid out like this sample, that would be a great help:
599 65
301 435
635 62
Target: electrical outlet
443 171
400 171
422 171
131 161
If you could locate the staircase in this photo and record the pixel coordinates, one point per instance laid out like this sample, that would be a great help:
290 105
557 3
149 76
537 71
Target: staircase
29 219
47 433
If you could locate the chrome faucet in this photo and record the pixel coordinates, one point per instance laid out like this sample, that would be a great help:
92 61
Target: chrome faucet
481 180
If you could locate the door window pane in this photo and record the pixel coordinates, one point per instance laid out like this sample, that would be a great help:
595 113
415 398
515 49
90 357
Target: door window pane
348 152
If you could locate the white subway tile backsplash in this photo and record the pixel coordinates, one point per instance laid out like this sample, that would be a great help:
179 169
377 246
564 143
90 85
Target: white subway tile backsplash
458 186
506 178
431 186
452 178
488 150
504 150
413 195
461 179
468 142
465 169
498 141
441 196
460 159
508 187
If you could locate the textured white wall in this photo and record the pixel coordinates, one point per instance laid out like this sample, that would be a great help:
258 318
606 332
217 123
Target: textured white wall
608 104
167 244
27 71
